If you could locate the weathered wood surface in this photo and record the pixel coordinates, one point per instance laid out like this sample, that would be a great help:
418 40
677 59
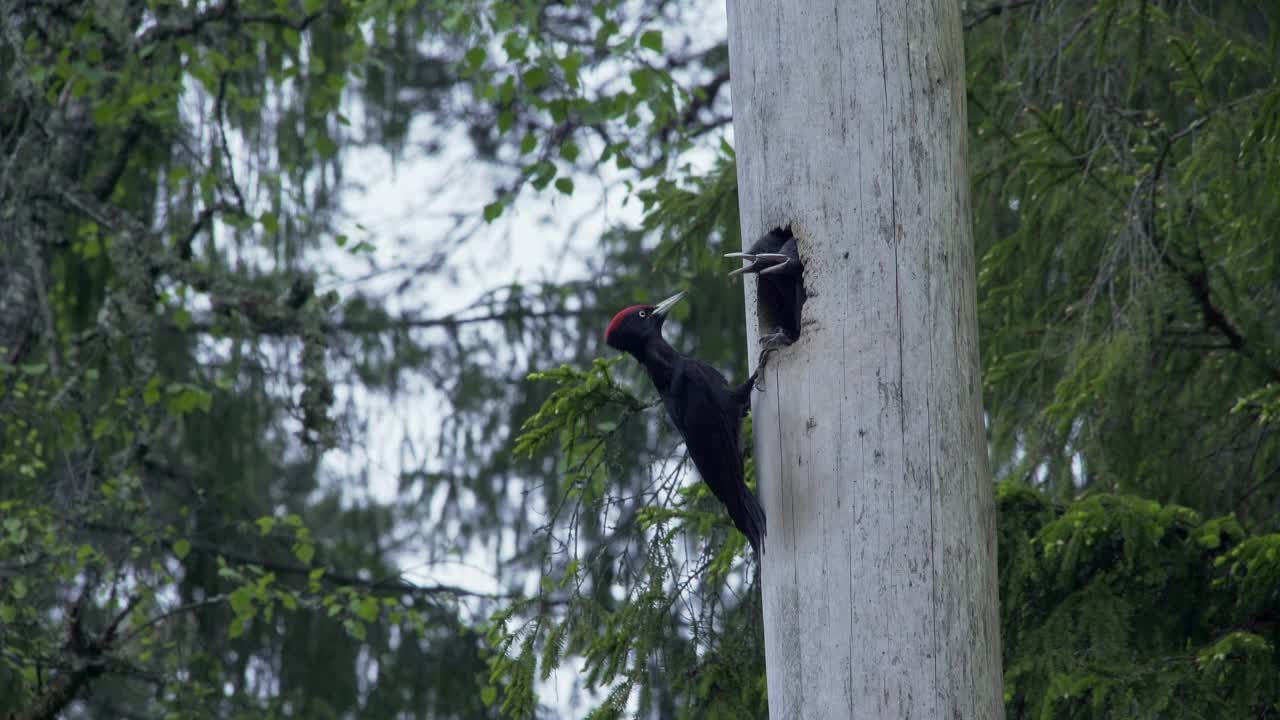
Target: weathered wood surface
880 565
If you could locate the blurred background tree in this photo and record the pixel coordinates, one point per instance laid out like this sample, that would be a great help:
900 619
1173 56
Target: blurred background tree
205 354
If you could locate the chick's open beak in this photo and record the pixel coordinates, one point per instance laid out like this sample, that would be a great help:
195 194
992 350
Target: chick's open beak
744 256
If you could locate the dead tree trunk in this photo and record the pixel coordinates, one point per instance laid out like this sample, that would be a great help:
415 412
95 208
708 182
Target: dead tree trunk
879 581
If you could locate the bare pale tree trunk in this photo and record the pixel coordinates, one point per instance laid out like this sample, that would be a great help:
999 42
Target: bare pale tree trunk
879 582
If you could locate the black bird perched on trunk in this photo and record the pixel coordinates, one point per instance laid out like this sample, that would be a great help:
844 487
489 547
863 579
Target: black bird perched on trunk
703 406
775 259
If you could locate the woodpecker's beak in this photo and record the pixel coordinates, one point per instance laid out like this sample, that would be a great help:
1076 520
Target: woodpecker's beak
744 256
664 307
784 262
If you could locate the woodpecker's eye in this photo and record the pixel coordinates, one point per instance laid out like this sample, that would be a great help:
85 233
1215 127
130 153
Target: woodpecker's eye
643 313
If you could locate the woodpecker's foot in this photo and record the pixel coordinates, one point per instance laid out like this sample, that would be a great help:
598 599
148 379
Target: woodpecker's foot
770 344
776 340
763 362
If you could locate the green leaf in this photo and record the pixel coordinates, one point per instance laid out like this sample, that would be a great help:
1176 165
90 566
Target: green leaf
542 172
507 90
642 79
104 114
185 398
91 248
18 587
181 548
151 395
570 64
304 552
458 21
265 524
354 628
564 185
475 57
559 109
606 31
506 119
535 78
489 695
528 144
325 145
504 16
241 601
516 45
367 609
652 39
493 211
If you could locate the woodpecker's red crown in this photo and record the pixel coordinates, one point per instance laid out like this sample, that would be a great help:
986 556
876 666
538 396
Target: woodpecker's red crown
625 313
629 328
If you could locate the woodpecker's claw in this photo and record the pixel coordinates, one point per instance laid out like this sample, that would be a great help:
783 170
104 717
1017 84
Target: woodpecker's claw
775 340
744 256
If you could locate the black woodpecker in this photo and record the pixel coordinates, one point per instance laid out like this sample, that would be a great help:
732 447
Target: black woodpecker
703 406
776 261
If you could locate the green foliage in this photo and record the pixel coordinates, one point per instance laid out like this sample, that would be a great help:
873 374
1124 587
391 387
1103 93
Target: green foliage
165 371
170 186
622 642
579 395
1111 606
1125 175
531 78
697 208
1117 607
658 608
169 374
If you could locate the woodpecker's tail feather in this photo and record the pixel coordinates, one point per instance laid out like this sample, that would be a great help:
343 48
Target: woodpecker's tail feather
748 516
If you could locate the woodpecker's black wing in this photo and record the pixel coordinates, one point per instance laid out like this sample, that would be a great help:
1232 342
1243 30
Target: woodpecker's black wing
708 414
